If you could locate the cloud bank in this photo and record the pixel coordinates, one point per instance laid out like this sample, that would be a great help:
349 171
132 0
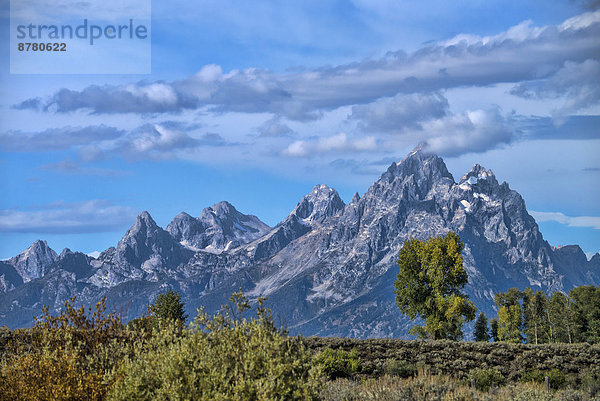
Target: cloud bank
466 60
91 216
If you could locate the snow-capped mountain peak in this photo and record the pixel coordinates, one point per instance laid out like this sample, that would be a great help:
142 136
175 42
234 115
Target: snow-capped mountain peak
218 228
327 268
320 203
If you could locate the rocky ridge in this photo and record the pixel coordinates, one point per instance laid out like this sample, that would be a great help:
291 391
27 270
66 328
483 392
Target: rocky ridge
327 269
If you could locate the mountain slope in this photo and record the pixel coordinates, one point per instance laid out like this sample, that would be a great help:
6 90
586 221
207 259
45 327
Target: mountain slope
328 268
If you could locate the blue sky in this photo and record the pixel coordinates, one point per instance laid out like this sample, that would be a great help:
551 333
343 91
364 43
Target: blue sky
256 102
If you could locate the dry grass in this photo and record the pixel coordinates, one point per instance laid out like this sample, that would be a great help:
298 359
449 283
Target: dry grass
425 387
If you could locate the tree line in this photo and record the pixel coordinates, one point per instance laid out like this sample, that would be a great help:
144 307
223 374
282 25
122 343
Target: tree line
539 318
429 283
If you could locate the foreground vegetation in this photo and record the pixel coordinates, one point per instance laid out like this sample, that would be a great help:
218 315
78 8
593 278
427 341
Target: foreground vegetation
90 355
425 387
573 365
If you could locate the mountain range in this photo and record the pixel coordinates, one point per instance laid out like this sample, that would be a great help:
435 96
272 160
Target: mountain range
327 269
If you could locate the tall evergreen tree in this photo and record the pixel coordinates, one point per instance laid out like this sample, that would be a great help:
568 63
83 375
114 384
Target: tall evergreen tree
482 332
168 305
494 329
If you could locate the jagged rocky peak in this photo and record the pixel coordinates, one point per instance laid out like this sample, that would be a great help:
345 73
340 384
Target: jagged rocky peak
145 242
412 179
355 198
422 164
74 262
183 226
480 177
183 216
144 224
34 261
143 231
145 218
218 228
65 252
322 202
223 209
224 217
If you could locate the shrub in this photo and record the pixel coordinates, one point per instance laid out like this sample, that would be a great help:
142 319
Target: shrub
590 380
396 367
63 357
5 336
438 387
556 378
220 358
486 378
338 363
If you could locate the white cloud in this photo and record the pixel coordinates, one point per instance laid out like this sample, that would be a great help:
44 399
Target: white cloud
334 143
579 221
394 114
64 217
159 93
465 60
149 141
576 83
57 138
471 131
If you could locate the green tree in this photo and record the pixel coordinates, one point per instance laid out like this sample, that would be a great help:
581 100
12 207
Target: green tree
494 329
168 305
482 332
510 316
428 286
535 321
560 318
586 313
511 297
509 324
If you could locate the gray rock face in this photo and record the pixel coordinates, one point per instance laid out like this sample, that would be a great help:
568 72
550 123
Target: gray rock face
219 228
146 252
9 277
320 204
34 261
328 268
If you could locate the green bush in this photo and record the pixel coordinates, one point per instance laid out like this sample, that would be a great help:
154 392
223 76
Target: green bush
556 378
64 357
400 368
338 363
590 380
220 358
533 375
486 378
